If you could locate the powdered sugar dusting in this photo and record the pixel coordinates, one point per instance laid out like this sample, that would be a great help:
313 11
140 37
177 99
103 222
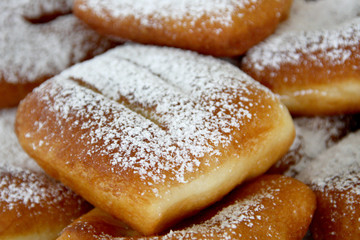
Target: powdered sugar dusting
223 225
156 111
313 136
30 51
151 13
31 189
11 153
323 30
35 9
336 168
22 181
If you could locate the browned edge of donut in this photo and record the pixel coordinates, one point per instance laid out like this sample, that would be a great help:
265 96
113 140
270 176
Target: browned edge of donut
42 220
12 93
287 216
246 30
309 90
337 216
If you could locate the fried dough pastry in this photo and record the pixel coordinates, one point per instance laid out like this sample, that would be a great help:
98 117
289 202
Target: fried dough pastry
313 60
313 136
335 178
32 205
270 207
38 39
153 134
221 28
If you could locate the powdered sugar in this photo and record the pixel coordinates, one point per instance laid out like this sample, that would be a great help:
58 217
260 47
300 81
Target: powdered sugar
36 9
336 168
223 225
149 13
245 213
22 181
313 136
159 108
31 189
30 52
323 30
11 153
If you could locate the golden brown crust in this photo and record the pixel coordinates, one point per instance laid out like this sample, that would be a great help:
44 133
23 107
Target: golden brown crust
336 216
33 206
205 32
330 98
312 64
150 171
12 93
308 89
271 206
97 224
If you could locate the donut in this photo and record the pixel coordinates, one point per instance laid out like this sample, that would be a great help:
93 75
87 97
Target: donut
334 177
221 28
153 134
313 60
313 136
38 39
270 207
32 205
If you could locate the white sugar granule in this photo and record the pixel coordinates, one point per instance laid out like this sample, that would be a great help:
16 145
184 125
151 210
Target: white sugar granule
151 12
37 8
338 167
11 153
19 187
241 212
31 51
223 224
322 27
195 102
313 136
22 181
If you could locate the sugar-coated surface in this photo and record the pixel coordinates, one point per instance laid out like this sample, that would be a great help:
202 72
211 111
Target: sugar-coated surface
21 187
30 51
223 225
336 168
313 136
11 153
239 216
22 182
160 109
34 9
321 29
244 211
150 12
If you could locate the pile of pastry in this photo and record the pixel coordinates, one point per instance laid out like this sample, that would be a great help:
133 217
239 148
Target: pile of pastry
160 119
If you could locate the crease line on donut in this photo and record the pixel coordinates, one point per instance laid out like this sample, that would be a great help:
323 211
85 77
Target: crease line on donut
149 111
121 100
164 79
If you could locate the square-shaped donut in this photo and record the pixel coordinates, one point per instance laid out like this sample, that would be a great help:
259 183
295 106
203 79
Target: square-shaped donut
153 134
